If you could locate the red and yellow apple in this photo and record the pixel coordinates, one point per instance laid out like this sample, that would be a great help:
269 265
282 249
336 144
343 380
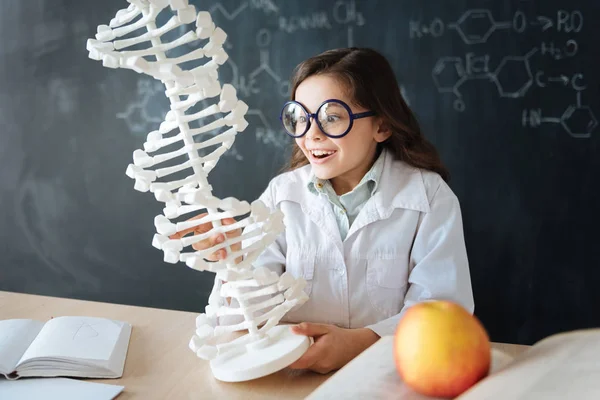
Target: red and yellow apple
440 349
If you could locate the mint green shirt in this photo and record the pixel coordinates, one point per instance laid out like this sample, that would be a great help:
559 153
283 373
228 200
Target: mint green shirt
347 206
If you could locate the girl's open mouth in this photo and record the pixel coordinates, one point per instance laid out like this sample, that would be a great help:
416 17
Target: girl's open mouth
321 156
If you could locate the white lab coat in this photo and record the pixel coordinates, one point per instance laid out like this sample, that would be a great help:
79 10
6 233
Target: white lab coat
405 246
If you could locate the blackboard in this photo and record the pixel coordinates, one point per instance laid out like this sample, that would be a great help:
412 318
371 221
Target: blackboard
507 91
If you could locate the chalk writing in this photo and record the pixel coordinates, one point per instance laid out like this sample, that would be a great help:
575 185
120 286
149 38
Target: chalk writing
577 120
315 20
513 75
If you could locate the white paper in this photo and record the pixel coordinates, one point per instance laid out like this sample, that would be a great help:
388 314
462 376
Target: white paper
77 338
56 389
15 337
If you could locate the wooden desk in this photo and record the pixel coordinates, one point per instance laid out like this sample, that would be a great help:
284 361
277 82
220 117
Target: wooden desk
159 364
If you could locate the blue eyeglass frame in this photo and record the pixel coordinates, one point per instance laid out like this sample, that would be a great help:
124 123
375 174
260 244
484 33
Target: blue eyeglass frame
314 116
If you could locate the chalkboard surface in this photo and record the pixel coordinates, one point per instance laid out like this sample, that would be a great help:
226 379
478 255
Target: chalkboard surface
507 90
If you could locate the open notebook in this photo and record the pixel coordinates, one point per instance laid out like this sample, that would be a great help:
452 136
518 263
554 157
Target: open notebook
559 367
83 347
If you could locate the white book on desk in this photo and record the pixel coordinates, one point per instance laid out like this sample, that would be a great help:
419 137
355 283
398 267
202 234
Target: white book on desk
85 347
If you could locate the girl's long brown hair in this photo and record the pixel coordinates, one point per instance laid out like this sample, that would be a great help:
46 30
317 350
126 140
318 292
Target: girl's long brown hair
371 82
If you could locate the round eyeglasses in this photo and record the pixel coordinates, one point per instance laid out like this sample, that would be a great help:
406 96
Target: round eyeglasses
334 118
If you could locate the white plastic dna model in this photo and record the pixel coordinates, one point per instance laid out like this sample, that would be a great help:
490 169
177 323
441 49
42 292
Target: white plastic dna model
262 295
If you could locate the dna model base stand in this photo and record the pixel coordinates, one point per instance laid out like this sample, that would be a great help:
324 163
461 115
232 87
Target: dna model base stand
255 298
276 351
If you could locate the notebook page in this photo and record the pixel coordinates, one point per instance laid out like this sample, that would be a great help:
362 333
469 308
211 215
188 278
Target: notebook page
76 338
15 337
565 366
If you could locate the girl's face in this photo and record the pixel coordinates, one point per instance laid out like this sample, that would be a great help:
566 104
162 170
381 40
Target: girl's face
346 160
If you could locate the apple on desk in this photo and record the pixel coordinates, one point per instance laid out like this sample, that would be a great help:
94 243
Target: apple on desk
440 349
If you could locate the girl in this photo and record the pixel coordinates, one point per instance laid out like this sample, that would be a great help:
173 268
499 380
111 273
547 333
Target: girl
371 223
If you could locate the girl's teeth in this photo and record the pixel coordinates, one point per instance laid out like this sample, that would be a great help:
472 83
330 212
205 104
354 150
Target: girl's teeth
321 153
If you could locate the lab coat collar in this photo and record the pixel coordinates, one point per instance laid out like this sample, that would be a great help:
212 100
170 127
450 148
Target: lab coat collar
401 186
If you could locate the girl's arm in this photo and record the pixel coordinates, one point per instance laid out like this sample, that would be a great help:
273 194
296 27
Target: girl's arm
439 264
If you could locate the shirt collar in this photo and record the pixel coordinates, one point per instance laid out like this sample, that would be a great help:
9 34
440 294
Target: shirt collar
371 178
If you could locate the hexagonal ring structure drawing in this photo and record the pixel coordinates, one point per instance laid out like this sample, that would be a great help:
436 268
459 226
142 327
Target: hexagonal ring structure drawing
467 32
507 69
446 73
574 121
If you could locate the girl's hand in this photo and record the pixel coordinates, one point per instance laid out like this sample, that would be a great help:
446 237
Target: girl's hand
333 348
213 240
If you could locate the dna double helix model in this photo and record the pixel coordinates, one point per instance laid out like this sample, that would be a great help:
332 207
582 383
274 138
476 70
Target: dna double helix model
174 165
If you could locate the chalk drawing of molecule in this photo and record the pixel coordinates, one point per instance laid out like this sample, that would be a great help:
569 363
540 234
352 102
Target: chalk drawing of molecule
577 120
256 81
250 84
148 111
512 76
476 26
229 15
